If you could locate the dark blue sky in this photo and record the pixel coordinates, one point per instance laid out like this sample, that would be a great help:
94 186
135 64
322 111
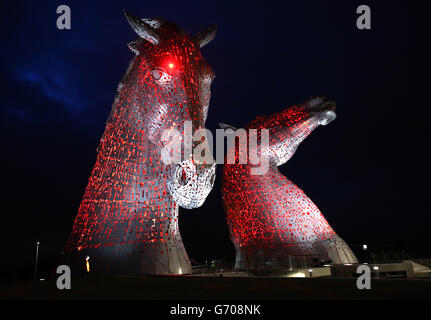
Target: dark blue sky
58 87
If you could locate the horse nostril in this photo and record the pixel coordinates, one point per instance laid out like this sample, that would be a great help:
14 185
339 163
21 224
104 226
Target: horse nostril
212 179
183 177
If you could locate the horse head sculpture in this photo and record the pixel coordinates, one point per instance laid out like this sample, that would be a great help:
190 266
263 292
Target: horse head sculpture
128 219
271 220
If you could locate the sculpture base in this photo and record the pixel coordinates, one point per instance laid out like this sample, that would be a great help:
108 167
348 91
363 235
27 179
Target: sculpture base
293 257
161 258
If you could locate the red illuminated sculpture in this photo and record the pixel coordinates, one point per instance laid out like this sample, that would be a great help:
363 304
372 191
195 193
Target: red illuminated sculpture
271 221
128 218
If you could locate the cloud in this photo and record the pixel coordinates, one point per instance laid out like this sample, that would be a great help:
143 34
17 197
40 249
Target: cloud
54 86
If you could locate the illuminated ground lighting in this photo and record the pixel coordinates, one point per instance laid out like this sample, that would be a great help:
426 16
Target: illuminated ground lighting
87 263
296 275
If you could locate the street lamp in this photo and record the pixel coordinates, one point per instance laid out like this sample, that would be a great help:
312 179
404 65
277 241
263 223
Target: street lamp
37 256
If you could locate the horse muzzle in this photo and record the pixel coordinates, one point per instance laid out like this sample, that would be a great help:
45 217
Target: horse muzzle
191 184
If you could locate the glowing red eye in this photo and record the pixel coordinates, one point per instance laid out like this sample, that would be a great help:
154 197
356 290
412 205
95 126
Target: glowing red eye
157 74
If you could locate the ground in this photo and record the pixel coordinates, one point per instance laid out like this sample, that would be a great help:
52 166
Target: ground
179 287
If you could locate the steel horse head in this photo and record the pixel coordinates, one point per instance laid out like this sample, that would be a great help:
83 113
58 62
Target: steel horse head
128 219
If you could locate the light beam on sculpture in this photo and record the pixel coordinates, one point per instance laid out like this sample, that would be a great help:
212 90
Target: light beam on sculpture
271 220
128 218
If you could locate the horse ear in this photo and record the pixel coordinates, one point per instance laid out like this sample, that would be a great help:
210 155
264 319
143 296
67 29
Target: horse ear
206 36
155 23
143 29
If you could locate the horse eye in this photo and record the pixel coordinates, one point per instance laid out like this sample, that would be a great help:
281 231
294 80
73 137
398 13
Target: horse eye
157 74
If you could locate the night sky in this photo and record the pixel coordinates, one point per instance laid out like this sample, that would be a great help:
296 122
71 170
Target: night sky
58 86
